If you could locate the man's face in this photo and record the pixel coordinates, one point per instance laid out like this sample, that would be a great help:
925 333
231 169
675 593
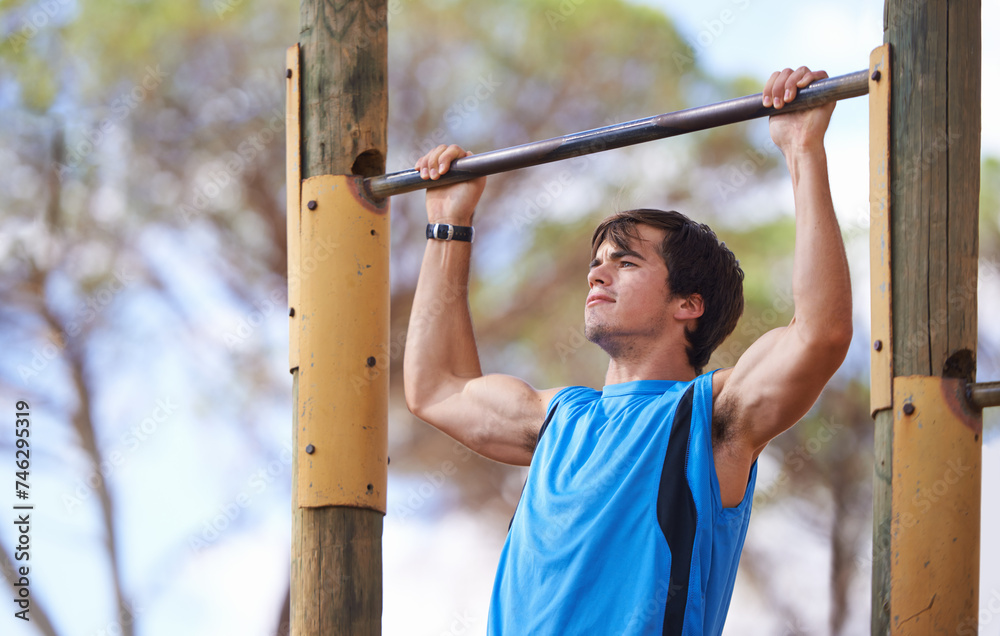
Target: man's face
629 301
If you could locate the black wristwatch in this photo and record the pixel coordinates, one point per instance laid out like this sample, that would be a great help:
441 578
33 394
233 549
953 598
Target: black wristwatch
449 232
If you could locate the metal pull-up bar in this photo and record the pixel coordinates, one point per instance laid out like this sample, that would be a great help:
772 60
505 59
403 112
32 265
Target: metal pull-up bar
984 394
619 135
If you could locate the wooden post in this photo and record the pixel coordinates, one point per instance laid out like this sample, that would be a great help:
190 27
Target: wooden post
339 306
928 443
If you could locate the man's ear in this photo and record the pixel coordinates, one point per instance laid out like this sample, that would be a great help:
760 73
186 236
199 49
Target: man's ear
691 307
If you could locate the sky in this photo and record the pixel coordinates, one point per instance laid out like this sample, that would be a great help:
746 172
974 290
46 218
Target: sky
439 566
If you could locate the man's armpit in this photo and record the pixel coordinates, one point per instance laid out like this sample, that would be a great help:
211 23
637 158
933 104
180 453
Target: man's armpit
722 417
532 438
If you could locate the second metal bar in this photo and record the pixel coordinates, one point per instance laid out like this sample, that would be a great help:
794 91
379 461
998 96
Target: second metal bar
984 394
619 135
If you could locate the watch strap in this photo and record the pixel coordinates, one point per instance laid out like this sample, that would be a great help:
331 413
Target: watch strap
449 232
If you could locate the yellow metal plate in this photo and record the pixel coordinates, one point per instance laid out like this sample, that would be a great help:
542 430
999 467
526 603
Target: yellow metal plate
344 370
879 198
293 179
936 488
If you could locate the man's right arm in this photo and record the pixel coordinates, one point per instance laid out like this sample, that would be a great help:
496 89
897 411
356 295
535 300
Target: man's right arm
498 416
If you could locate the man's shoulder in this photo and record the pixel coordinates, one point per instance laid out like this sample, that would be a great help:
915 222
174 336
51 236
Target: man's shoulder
567 394
719 379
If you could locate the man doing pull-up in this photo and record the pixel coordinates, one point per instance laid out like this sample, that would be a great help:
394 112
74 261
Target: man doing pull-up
638 496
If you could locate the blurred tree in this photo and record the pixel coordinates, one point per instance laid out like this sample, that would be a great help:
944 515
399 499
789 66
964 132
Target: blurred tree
144 148
142 240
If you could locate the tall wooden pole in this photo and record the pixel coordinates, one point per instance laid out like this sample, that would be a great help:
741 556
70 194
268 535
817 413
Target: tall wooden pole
339 305
928 440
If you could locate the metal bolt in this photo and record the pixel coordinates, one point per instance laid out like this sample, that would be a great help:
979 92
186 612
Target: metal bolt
288 73
310 449
878 345
877 75
370 361
908 408
311 205
291 312
370 488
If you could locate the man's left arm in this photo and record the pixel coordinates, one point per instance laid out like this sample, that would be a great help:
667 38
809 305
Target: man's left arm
781 375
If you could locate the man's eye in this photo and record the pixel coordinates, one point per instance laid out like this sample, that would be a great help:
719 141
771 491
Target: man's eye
626 264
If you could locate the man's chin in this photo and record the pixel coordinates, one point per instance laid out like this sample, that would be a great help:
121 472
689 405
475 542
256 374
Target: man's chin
600 335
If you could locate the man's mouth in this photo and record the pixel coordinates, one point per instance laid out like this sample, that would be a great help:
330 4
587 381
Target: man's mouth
596 298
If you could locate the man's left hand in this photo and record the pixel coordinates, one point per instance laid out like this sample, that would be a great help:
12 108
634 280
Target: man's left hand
801 130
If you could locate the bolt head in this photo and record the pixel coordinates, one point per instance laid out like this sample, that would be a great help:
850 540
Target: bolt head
288 73
908 408
311 205
370 361
310 449
878 345
876 75
291 312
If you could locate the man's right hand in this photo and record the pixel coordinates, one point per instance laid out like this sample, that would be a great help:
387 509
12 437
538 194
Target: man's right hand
455 203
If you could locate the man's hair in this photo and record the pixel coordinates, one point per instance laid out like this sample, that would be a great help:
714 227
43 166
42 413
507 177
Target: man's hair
697 263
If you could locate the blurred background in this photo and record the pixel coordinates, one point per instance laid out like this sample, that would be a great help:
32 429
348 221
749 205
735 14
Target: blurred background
144 309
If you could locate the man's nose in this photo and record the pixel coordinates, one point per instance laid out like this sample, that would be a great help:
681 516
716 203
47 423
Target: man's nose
598 275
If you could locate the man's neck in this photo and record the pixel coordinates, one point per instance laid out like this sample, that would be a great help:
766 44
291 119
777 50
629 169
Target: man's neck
667 366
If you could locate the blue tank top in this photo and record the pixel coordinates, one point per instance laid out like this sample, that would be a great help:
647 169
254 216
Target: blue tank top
620 528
